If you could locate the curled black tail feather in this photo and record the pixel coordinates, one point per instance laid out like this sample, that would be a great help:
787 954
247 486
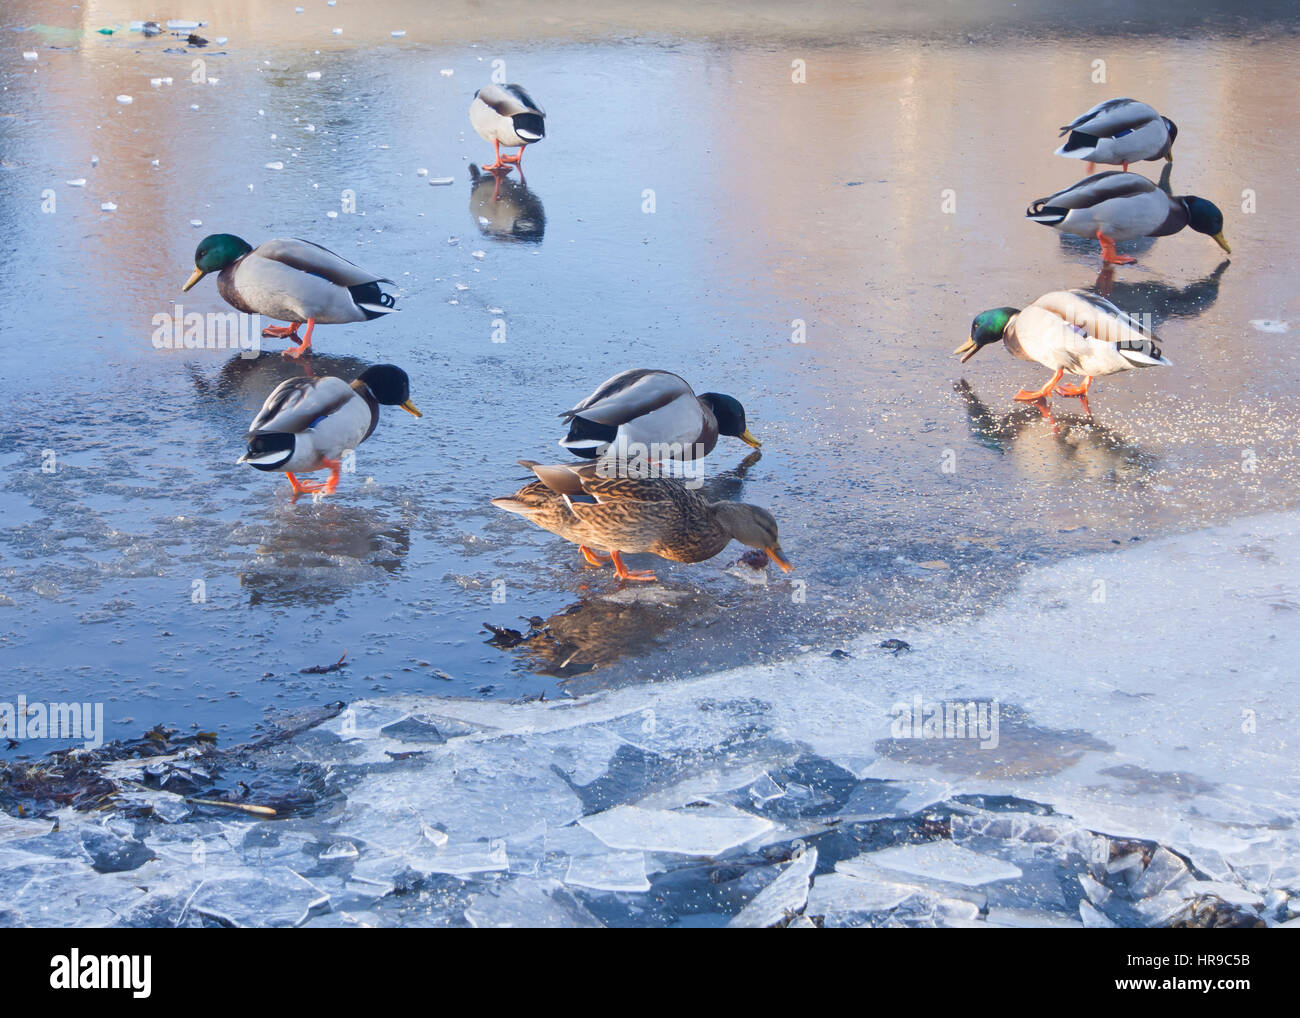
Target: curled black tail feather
369 298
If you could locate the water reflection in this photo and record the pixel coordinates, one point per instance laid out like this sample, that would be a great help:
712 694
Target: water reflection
1055 446
504 208
249 380
315 554
1160 300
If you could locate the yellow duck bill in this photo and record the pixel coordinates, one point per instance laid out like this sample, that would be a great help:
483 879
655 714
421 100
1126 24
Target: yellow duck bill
198 274
968 350
778 556
1218 239
749 439
411 409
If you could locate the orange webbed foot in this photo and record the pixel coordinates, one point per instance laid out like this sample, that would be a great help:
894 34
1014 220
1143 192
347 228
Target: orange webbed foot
624 573
592 556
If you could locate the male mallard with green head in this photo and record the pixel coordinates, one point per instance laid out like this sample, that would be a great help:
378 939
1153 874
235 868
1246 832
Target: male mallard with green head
1072 331
1115 206
507 115
655 411
308 424
1118 132
616 515
293 281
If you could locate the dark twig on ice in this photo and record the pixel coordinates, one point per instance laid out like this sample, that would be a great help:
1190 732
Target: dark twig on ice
324 669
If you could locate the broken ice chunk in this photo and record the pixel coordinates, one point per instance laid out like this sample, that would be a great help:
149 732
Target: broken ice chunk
29 54
1164 871
613 871
934 860
79 182
531 904
125 100
839 892
340 850
765 789
108 206
782 898
313 75
683 833
271 896
277 165
397 33
441 181
11 828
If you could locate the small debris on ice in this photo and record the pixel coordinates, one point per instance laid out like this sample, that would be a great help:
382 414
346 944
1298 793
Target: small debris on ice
108 206
397 33
446 72
336 31
29 54
196 222
79 182
313 75
479 254
441 181
1270 325
277 165
125 100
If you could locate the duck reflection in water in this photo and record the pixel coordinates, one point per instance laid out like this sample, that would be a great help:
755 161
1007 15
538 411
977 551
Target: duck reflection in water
505 209
1074 447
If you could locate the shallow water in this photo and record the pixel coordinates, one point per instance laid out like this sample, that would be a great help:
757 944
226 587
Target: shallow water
773 201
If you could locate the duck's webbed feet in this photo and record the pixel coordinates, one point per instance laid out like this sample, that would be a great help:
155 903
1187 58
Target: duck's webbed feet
1034 395
623 573
592 556
1075 390
326 487
304 345
1108 255
282 331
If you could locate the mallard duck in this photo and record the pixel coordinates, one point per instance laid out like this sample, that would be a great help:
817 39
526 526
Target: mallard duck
307 424
1115 206
654 415
1118 132
294 281
506 115
1072 331
618 515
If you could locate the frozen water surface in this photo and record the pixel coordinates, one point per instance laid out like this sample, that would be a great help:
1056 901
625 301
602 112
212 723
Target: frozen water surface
721 747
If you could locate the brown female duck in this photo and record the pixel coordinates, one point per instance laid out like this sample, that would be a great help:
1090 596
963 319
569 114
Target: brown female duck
660 516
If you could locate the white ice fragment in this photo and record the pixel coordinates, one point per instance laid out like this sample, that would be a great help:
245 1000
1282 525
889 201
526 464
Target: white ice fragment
297 10
614 871
310 127
156 82
780 899
12 829
441 181
94 160
341 850
277 165
108 206
1165 871
331 214
934 860
313 75
194 106
685 833
221 40
178 23
839 892
30 54
765 789
213 81
196 222
261 113
397 33
336 31
1233 894
1092 919
153 162
446 72
479 254
1270 325
421 172
79 182
125 100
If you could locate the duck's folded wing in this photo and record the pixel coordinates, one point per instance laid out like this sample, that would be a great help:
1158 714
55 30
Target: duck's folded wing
1096 189
630 395
1113 117
296 403
509 100
1097 317
319 261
